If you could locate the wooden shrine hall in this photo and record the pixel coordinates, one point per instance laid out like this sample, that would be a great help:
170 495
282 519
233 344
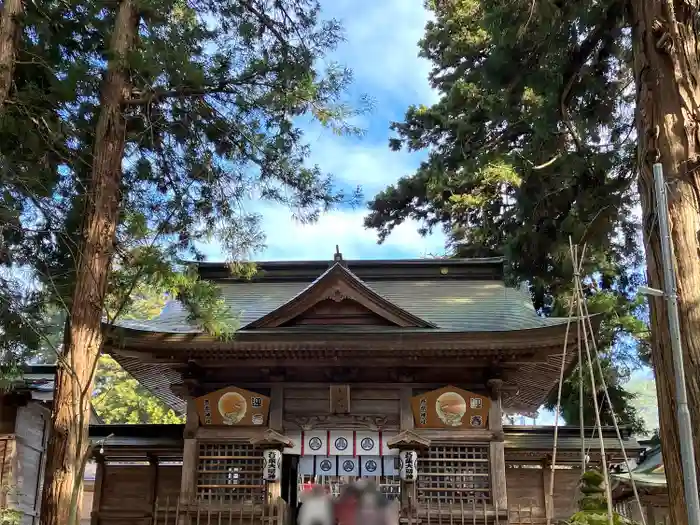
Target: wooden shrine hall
399 371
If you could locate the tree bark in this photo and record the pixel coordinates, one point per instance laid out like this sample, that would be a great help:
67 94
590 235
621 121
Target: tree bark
10 32
68 444
667 72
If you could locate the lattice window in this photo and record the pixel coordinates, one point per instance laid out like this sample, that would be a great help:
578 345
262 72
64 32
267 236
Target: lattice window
454 474
390 486
230 472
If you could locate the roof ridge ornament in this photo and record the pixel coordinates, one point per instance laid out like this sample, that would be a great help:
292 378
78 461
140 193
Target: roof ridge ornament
338 257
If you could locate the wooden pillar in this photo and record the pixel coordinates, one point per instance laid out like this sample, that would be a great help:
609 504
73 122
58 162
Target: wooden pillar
408 488
546 480
406 418
97 492
497 448
190 455
153 466
276 408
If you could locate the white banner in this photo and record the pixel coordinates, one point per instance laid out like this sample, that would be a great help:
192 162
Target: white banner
365 466
340 443
326 466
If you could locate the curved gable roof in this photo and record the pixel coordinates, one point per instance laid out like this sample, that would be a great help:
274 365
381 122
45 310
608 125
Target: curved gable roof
338 284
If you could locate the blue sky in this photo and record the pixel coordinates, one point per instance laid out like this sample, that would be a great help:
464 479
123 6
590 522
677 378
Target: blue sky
381 49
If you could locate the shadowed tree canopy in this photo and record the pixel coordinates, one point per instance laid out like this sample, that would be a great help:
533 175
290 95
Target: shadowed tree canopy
525 150
166 123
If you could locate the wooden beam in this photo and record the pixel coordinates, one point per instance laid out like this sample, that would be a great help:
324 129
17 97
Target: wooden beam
343 361
192 418
276 420
406 418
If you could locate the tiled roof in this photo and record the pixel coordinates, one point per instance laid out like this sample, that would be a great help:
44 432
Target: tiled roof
451 305
524 440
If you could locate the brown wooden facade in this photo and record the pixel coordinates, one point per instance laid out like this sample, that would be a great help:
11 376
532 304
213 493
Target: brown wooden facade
25 418
338 366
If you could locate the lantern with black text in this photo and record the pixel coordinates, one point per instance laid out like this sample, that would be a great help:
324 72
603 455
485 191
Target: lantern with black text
409 465
272 465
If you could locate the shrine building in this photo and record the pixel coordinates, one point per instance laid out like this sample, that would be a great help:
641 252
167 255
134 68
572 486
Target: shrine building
398 371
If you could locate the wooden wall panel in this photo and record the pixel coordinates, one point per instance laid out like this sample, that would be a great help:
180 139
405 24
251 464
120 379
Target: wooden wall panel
128 493
126 487
315 400
168 482
31 433
566 492
525 488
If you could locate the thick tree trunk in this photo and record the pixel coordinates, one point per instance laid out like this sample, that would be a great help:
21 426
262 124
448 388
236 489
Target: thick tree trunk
68 445
10 31
667 70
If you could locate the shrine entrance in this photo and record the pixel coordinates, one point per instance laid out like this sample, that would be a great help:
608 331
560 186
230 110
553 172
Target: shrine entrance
335 458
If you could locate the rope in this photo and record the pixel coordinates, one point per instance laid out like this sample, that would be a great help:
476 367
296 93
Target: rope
604 461
584 324
582 430
550 500
614 418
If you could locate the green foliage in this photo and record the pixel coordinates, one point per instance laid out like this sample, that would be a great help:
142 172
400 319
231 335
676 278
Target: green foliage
119 398
593 503
9 516
529 146
217 89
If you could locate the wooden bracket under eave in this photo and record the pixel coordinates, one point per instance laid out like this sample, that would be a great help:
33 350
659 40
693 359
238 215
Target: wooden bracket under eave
271 439
408 440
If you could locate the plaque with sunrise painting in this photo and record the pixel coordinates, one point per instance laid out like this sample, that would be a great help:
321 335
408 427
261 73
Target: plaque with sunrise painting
450 407
234 407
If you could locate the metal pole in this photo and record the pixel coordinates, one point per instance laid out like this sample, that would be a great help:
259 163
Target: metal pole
685 428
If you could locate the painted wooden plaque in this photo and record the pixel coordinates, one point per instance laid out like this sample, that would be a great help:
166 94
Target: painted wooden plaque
233 406
450 407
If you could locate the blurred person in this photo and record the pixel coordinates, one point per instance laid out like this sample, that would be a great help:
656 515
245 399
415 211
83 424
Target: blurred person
316 508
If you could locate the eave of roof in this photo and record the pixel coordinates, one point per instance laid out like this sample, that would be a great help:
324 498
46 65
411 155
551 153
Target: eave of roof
533 438
151 357
275 271
538 337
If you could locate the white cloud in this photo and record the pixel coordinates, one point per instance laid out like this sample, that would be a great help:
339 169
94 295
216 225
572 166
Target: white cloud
290 240
381 49
381 46
370 164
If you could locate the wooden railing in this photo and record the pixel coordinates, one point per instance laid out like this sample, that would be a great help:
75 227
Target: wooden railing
175 512
464 512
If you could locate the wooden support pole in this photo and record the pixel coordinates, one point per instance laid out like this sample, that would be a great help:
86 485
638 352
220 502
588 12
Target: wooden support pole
546 479
497 457
276 407
406 417
190 460
97 491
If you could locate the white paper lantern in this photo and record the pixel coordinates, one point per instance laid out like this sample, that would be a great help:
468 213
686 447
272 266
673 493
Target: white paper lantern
409 465
272 465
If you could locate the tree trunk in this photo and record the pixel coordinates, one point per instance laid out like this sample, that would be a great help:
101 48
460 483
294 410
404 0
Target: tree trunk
10 31
68 444
667 72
